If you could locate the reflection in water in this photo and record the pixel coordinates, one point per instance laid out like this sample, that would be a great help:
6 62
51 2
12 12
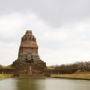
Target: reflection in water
44 84
29 84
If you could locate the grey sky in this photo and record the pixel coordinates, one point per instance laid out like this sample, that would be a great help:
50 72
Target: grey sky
62 28
54 12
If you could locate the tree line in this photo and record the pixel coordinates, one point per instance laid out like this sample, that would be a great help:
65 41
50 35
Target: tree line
82 66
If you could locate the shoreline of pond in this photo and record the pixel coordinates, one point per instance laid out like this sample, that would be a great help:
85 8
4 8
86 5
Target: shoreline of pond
71 76
5 76
64 76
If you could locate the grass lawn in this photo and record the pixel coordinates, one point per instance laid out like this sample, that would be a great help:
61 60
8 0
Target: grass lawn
71 76
4 76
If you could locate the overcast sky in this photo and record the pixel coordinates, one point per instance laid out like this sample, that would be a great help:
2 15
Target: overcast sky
62 29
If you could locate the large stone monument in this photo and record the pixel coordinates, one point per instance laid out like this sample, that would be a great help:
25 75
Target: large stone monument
28 61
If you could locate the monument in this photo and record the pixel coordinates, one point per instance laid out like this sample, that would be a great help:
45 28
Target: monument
28 61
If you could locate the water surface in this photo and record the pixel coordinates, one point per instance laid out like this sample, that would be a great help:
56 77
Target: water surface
44 84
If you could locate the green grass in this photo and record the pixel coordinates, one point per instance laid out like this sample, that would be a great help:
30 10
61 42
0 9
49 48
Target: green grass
4 76
71 76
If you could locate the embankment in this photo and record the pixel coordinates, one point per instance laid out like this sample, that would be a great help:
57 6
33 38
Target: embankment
71 76
4 76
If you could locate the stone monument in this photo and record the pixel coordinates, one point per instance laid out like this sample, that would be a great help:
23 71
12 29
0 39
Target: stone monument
28 61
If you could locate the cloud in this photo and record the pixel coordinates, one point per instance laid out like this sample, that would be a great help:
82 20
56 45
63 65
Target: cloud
54 12
10 26
62 31
8 53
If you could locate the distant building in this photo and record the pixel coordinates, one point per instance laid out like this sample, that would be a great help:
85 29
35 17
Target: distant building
28 61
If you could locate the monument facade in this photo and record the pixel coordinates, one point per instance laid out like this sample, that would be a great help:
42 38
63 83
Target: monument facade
28 61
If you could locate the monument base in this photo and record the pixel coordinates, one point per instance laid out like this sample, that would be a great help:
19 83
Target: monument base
29 67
